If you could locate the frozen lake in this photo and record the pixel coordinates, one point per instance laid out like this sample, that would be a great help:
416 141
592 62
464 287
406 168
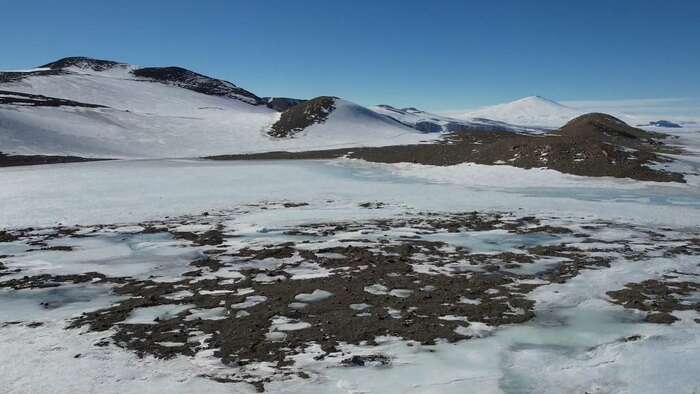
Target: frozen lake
129 191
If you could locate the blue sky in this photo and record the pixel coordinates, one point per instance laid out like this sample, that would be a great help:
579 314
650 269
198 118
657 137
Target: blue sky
439 55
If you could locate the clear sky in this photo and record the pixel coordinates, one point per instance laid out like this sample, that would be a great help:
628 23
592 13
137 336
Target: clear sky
439 55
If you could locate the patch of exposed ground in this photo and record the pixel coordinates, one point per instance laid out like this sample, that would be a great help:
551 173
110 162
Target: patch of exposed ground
660 298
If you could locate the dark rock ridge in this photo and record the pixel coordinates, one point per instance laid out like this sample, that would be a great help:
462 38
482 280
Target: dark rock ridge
303 115
37 100
281 104
15 76
29 160
197 82
590 145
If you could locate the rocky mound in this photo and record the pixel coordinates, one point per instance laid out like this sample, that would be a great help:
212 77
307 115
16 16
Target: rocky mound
197 82
303 115
604 126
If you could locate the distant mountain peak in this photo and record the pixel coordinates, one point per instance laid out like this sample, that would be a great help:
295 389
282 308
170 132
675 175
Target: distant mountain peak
537 100
535 111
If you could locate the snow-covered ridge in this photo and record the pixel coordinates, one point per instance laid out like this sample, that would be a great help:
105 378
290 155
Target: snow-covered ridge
162 112
432 123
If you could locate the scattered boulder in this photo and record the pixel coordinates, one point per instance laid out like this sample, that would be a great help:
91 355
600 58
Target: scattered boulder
660 318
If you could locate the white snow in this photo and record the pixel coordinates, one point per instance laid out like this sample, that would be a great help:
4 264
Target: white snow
151 314
132 191
47 363
250 301
315 296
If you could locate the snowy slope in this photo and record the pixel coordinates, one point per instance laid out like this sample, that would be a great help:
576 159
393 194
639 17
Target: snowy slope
107 132
429 122
124 134
349 124
533 111
163 112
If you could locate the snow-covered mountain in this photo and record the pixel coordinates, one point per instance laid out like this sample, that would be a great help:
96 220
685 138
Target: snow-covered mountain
340 120
112 109
87 107
433 123
534 111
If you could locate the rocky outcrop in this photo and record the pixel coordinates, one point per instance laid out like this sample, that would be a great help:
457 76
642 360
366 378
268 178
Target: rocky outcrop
301 116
